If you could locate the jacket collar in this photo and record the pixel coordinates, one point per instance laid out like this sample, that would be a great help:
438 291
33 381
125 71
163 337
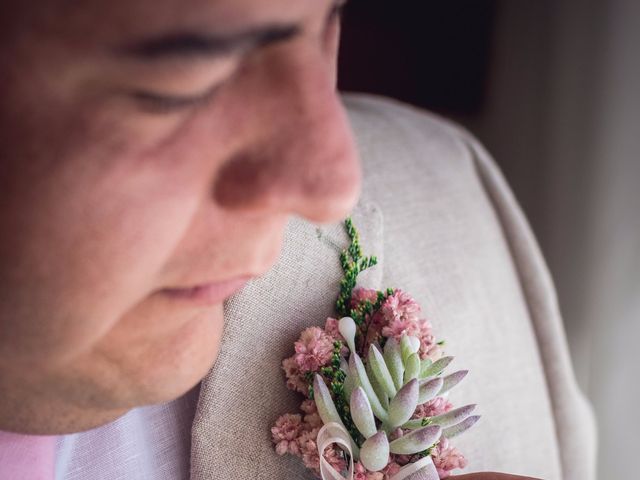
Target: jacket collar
244 392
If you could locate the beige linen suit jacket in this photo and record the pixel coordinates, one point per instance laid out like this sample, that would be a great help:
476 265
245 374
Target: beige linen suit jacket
446 228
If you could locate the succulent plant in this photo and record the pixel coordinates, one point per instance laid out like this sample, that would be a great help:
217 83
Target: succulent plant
383 395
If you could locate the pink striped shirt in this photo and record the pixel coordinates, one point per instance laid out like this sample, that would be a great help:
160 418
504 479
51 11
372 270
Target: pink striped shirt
27 457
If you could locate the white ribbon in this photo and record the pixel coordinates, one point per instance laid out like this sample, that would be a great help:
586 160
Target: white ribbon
333 432
328 435
423 469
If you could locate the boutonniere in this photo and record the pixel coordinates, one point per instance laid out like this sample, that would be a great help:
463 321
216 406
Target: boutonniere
375 393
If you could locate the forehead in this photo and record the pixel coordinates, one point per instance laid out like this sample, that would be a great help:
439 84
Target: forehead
100 21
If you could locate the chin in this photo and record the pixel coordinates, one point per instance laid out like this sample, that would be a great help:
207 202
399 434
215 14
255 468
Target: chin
185 360
104 384
157 368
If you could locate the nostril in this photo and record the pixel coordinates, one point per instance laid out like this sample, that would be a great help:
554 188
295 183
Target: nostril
320 187
239 180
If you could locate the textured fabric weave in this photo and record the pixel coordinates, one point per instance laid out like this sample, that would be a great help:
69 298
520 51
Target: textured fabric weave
26 457
148 443
447 229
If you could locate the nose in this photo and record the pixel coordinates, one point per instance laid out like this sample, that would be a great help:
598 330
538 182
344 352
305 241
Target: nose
302 157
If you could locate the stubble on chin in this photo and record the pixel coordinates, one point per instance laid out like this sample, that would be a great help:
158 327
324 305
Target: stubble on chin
104 384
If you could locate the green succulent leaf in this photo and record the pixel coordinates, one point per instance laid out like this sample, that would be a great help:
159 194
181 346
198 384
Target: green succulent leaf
362 414
344 366
349 385
424 364
416 423
416 441
429 390
374 453
403 404
452 417
326 408
435 368
412 367
380 392
357 368
381 372
347 327
452 380
408 346
461 427
393 360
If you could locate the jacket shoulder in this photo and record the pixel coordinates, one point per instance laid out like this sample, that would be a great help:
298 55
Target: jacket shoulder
413 137
413 158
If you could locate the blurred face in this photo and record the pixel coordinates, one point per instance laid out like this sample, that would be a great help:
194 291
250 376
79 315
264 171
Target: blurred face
151 152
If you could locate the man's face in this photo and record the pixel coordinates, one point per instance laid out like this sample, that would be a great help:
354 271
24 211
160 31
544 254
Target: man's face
151 152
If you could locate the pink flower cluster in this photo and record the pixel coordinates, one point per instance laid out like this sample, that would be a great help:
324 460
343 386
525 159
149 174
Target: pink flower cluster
433 408
447 458
399 314
297 436
361 473
314 350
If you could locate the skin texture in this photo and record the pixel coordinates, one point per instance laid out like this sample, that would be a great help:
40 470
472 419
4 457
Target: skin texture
107 200
122 177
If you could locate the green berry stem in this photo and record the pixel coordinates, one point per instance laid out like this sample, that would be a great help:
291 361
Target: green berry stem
353 264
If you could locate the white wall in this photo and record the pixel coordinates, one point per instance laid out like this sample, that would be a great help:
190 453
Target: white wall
612 300
563 120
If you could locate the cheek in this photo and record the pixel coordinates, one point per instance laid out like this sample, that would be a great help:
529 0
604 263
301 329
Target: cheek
85 285
87 243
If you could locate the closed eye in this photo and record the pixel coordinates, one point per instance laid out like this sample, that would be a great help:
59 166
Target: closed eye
157 103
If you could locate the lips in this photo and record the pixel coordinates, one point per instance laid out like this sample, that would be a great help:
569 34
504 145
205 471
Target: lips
205 294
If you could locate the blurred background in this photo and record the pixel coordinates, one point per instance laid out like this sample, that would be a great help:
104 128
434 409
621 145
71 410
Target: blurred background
552 88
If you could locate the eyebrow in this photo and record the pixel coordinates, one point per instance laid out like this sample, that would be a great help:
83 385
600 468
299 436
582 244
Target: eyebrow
192 44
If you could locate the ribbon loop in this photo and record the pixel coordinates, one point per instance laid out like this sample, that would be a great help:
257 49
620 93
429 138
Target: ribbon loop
328 435
423 469
334 433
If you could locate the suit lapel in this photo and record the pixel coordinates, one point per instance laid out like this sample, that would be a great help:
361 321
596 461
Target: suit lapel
244 392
